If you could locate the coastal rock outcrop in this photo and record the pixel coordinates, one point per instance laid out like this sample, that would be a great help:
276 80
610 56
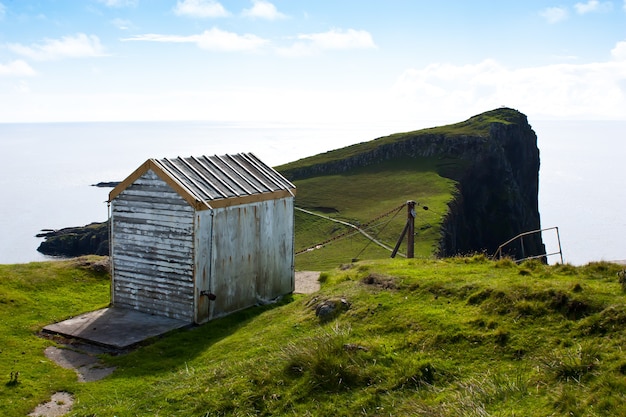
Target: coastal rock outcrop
92 239
495 163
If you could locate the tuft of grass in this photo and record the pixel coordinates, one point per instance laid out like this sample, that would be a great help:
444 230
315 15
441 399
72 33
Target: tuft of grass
573 363
327 361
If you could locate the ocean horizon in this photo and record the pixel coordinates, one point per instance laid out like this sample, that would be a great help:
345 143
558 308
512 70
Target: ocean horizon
50 168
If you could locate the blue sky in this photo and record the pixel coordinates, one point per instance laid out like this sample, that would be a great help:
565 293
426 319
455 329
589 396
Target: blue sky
310 61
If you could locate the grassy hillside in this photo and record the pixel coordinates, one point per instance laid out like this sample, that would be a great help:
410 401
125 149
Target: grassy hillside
461 336
32 296
363 195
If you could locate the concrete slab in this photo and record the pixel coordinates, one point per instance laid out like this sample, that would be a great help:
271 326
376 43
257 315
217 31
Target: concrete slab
114 327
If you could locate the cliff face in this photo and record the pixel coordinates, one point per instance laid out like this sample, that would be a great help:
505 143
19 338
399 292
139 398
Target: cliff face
496 163
498 195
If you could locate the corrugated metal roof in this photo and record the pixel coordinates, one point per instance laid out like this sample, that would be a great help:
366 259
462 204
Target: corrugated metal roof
207 179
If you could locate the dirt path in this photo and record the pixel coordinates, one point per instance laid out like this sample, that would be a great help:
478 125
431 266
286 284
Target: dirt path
307 282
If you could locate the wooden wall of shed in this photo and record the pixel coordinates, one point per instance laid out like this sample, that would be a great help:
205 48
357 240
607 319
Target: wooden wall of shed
276 272
152 249
252 255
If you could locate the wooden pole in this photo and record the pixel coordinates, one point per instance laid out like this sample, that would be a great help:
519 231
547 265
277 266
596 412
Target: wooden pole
410 221
399 242
409 228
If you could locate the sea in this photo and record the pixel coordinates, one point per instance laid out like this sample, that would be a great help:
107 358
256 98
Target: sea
48 172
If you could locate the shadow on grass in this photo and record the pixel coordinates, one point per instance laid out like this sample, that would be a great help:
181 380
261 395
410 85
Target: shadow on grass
173 350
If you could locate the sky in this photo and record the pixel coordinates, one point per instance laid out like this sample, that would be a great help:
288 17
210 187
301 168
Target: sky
316 61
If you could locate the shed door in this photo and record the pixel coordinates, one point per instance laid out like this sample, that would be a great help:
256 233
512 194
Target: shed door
202 264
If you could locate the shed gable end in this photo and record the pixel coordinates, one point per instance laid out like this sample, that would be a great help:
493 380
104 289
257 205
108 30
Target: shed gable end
152 248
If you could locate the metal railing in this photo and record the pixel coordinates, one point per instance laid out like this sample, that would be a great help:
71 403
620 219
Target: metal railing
498 254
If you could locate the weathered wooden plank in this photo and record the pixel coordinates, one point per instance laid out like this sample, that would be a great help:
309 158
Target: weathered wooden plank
146 235
150 262
151 191
149 225
141 204
156 292
150 186
173 200
175 279
166 215
152 210
149 230
155 285
151 267
134 287
165 244
155 307
153 262
136 220
129 291
159 312
149 297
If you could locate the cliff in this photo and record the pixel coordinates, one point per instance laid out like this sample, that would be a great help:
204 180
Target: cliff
494 159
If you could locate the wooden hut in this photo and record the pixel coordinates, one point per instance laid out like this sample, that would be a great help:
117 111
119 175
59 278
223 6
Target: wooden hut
201 237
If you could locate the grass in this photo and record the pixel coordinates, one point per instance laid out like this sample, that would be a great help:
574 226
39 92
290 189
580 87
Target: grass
341 197
461 336
32 296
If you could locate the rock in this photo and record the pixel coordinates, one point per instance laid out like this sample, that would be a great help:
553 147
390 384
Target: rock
92 239
330 309
107 184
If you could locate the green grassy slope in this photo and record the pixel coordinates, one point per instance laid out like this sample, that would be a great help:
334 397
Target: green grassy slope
32 296
461 336
362 194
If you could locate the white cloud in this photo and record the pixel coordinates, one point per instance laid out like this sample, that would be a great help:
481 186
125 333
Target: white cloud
262 9
619 52
341 39
119 3
22 87
592 90
334 39
593 6
624 5
213 40
17 68
200 8
3 11
122 24
77 46
554 14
